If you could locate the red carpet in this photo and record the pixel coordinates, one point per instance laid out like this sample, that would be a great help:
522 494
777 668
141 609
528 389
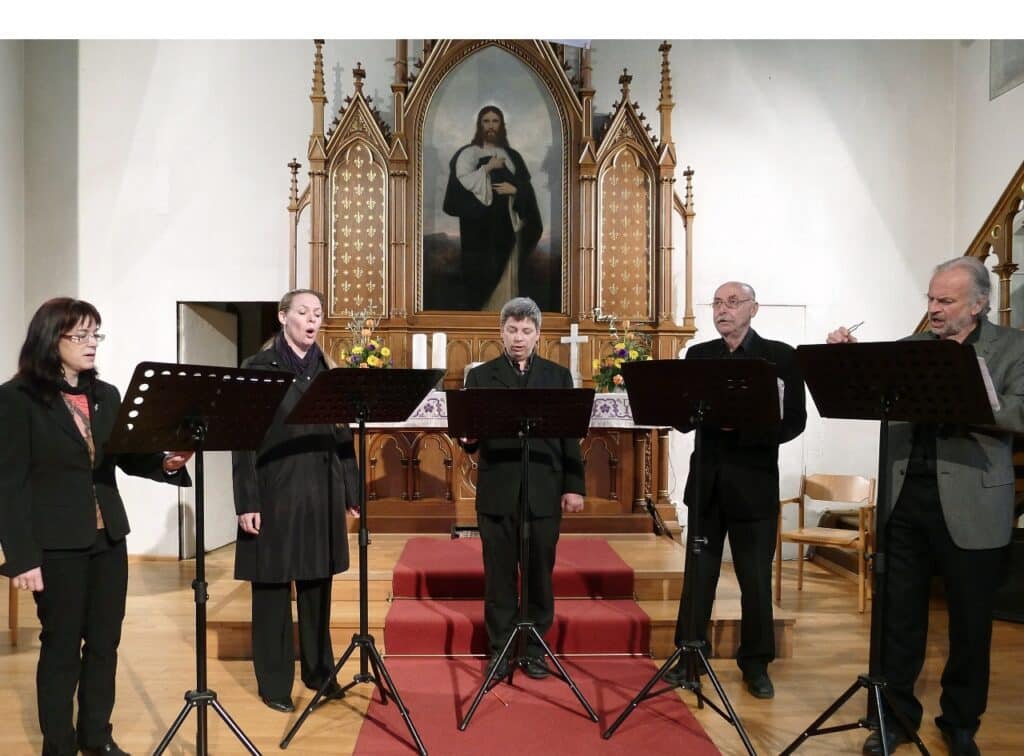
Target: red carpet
433 568
438 608
530 717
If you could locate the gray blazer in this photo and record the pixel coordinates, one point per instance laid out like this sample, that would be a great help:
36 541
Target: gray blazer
974 465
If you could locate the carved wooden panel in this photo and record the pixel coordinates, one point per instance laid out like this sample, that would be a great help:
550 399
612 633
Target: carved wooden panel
625 260
358 233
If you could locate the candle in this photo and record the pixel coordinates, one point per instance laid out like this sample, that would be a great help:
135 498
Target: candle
439 351
419 351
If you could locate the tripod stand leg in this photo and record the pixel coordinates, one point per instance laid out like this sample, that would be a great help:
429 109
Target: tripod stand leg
234 727
378 665
880 693
643 694
178 722
733 718
563 674
815 726
316 697
491 674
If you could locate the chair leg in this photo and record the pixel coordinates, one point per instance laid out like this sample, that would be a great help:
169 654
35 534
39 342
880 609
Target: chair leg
800 568
861 581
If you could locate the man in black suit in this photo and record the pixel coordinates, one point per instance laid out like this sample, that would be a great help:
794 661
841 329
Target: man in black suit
740 495
556 486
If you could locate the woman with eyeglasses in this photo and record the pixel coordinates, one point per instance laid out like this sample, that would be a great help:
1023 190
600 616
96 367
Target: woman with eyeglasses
291 496
62 521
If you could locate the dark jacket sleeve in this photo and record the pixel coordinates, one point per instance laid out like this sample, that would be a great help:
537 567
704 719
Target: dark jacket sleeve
21 551
574 476
794 400
472 381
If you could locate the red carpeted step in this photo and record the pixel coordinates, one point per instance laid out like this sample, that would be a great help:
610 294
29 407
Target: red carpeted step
582 626
433 568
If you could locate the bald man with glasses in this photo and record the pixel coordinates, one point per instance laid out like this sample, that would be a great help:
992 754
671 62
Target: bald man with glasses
740 496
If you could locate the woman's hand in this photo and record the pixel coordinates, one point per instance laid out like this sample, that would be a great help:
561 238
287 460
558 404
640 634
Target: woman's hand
250 522
174 461
29 581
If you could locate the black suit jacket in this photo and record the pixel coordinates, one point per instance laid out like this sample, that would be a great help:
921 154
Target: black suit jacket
556 466
48 487
745 464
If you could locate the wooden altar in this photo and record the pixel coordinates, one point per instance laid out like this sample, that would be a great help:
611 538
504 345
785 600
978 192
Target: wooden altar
382 247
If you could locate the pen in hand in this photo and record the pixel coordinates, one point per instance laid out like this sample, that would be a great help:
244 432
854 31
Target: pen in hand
854 327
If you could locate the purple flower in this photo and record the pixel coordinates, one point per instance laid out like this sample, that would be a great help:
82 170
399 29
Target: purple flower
621 353
370 347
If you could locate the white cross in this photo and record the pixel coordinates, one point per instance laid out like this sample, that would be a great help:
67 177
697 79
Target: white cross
574 340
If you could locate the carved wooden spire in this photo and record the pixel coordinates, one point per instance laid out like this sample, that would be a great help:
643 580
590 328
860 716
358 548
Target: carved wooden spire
665 104
318 95
293 194
358 75
624 81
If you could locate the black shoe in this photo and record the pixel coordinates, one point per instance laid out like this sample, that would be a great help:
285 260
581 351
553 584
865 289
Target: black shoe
284 705
502 670
759 685
961 742
109 748
677 675
535 667
895 736
333 692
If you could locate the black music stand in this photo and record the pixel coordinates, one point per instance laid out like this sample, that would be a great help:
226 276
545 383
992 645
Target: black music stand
346 395
928 381
524 413
201 408
699 394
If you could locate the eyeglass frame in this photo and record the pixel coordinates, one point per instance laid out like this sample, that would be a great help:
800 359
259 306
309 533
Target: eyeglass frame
75 338
729 304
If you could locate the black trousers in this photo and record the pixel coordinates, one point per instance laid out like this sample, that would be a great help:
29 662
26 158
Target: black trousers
273 650
80 608
919 545
753 549
500 539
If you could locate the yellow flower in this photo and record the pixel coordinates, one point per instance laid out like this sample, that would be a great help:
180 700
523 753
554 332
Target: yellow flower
597 365
621 345
618 379
385 352
343 355
648 357
619 361
357 349
633 354
373 360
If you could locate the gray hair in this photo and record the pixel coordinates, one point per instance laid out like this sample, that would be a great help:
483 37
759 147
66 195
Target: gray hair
981 284
521 308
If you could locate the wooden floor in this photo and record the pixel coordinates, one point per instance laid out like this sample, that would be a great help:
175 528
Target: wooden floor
830 645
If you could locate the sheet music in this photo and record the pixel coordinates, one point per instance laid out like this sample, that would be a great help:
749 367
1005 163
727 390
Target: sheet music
990 389
782 395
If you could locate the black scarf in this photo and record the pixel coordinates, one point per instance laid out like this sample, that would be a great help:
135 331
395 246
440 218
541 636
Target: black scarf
298 365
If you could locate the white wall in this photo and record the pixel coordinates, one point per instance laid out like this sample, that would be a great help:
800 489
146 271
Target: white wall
989 141
12 204
825 176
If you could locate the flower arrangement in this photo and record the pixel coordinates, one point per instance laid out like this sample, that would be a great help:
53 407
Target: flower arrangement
367 350
630 346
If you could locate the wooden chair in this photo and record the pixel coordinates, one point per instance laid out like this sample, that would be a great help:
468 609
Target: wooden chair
839 488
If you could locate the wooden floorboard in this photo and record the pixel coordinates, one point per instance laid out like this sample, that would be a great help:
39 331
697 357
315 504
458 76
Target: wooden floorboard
829 650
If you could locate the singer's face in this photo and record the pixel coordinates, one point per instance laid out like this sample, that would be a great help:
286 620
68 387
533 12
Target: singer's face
302 321
953 308
519 337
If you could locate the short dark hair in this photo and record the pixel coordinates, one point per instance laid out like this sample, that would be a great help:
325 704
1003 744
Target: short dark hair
39 362
521 308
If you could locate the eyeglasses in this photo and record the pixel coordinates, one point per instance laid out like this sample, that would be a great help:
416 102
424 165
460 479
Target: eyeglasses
730 304
83 338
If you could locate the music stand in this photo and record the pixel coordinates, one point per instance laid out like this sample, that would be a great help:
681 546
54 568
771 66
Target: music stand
933 381
343 396
524 413
699 394
202 408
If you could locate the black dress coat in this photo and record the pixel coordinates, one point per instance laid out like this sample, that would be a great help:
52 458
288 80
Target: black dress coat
300 480
49 488
745 464
556 466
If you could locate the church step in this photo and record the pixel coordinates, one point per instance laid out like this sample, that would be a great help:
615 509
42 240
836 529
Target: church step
456 627
443 522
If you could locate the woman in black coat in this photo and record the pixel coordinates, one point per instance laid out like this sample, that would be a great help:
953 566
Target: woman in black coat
62 521
291 497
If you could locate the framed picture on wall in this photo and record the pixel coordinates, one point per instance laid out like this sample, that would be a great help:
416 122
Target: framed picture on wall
493 151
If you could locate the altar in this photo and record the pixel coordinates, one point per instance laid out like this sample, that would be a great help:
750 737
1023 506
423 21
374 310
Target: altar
421 480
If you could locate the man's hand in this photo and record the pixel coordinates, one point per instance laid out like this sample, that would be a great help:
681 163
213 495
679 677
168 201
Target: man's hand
32 580
841 336
250 522
504 187
493 164
174 461
572 502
